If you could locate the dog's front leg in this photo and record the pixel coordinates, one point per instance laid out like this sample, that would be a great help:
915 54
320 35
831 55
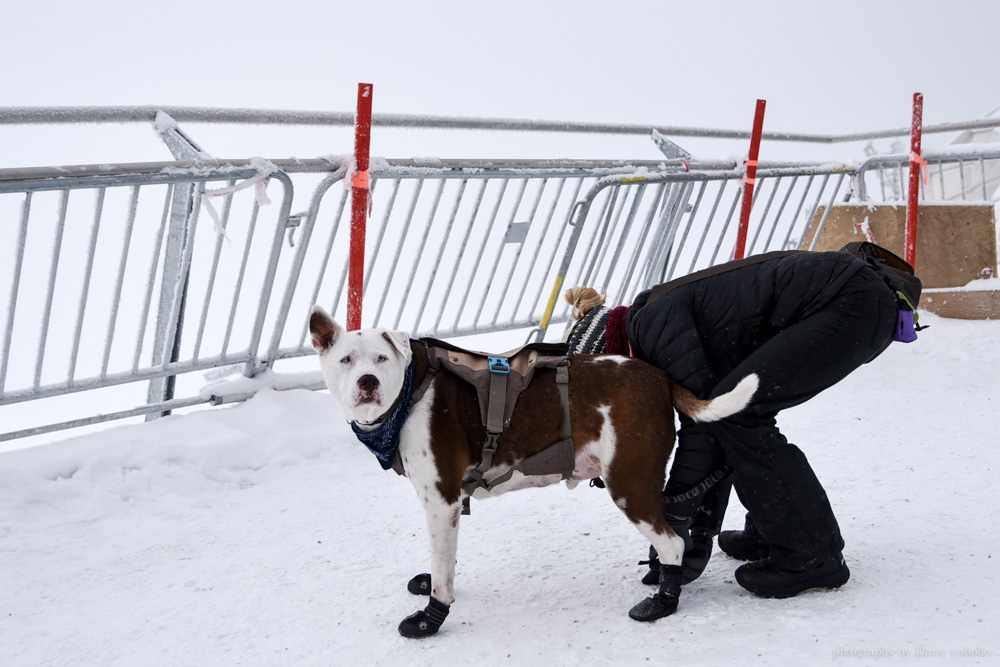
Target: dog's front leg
442 529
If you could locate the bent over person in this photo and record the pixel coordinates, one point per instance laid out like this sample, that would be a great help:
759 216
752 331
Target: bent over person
802 322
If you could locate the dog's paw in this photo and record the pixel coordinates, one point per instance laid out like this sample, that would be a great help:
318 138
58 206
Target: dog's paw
425 623
420 584
653 608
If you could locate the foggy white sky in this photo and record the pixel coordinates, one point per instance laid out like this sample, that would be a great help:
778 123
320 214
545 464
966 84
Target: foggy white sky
822 67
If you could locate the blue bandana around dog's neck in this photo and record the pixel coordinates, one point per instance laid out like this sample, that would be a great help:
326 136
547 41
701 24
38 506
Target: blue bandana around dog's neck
383 442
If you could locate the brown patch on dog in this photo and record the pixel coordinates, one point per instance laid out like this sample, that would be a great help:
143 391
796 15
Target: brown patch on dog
451 417
641 413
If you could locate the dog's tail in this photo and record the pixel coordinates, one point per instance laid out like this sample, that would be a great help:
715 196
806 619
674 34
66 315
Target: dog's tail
719 407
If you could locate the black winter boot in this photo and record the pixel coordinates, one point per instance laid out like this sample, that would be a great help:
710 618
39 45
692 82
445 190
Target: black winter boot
664 602
425 623
746 544
697 547
765 579
697 555
697 552
682 528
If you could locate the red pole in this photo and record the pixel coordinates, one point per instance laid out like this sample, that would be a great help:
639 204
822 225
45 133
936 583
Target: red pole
916 128
758 125
359 206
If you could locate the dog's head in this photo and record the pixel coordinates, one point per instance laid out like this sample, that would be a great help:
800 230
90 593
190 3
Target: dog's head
364 370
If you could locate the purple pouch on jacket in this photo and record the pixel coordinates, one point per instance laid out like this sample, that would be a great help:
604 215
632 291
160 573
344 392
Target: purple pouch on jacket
905 332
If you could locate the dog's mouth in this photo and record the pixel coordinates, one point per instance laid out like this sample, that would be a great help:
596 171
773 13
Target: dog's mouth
368 397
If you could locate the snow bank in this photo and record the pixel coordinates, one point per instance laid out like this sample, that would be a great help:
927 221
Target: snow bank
264 534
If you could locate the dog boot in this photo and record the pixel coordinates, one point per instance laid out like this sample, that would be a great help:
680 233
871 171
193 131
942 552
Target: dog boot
420 584
653 576
425 623
766 580
664 602
746 544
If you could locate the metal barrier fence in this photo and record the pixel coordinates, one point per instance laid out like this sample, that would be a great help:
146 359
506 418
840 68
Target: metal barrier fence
452 251
119 278
654 227
961 173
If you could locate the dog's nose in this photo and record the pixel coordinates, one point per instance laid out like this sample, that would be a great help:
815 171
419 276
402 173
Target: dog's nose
368 383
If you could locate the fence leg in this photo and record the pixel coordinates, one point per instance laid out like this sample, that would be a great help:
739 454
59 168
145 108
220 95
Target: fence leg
183 148
173 286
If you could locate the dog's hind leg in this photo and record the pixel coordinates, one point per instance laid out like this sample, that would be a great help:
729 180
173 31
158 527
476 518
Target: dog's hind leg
634 477
643 511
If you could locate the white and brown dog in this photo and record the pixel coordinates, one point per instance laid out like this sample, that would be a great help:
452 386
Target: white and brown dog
622 428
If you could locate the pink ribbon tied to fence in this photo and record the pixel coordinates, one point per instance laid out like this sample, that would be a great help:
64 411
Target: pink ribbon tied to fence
259 183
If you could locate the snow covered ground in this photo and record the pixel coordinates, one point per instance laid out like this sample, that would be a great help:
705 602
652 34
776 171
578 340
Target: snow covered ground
265 534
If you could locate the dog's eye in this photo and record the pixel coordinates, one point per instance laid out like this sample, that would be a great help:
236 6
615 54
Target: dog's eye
382 358
346 360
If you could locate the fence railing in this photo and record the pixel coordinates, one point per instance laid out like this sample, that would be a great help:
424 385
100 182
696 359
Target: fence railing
651 228
119 276
118 279
147 114
959 173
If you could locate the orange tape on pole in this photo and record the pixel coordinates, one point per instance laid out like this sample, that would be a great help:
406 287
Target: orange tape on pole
748 182
359 206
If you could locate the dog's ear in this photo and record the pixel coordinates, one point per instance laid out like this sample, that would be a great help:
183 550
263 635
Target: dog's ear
400 341
324 330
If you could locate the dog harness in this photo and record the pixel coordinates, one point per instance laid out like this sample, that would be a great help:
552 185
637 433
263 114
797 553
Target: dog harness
499 380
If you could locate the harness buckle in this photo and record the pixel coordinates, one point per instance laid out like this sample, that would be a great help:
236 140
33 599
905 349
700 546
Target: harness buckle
499 365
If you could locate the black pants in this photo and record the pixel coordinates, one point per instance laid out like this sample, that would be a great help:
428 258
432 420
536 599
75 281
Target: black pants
772 476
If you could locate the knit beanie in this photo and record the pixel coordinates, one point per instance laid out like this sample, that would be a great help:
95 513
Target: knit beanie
587 335
600 331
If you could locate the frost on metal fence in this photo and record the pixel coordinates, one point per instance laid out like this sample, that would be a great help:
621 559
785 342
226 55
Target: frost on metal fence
472 250
122 286
113 280
450 252
958 173
122 283
633 232
118 294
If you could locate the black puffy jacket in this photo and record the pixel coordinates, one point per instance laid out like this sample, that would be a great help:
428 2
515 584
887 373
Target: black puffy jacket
701 331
